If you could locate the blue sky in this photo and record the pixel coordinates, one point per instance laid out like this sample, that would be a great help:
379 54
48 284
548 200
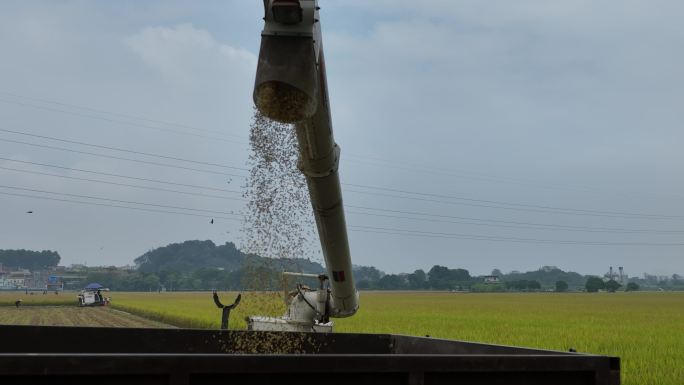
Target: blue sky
500 115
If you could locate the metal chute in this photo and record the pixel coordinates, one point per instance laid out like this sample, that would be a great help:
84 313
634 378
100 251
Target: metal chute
291 87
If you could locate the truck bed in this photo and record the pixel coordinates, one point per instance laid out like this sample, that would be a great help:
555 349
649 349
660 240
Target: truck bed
83 355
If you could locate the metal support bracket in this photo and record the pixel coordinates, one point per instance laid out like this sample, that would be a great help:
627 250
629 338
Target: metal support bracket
226 308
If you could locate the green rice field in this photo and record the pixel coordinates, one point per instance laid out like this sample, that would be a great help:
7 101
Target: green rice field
646 330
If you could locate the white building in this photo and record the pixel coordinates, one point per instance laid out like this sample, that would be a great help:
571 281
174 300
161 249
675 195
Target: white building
4 284
491 279
15 283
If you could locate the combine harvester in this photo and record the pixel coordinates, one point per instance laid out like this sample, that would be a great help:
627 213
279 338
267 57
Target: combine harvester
91 295
298 347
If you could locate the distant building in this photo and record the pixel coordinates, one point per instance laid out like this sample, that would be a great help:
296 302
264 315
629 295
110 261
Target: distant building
617 276
77 267
491 279
4 284
18 279
16 283
20 273
54 283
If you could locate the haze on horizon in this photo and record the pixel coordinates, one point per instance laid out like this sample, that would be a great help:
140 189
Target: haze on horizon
474 134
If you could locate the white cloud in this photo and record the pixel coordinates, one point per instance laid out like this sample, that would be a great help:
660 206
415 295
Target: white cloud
187 54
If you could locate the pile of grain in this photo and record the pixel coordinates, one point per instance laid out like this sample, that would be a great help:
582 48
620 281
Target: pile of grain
266 343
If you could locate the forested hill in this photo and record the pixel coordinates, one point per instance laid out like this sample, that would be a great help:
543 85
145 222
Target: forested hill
28 259
194 255
547 276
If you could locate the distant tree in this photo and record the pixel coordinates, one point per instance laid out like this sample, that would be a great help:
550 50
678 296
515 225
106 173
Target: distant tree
497 272
151 282
392 282
363 284
195 254
632 286
28 259
170 280
561 286
612 286
488 288
523 285
594 284
443 278
547 276
417 280
438 278
367 273
216 279
460 275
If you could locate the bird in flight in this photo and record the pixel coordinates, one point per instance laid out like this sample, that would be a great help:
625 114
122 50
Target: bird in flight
212 221
29 212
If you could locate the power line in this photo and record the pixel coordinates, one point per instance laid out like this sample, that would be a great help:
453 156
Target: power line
114 206
385 162
509 203
487 222
116 200
99 111
433 215
422 168
525 225
365 229
426 169
121 176
389 163
517 206
494 205
498 204
489 203
122 184
511 224
120 158
123 150
122 122
383 230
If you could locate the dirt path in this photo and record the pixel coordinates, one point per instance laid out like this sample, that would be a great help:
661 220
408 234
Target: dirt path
73 316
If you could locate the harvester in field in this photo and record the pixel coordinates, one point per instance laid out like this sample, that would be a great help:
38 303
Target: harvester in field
291 87
92 295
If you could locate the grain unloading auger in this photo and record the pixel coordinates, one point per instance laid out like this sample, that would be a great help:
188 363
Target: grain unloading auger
291 87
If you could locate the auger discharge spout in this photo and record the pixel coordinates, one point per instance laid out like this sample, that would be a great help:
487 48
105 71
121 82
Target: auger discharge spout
291 87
